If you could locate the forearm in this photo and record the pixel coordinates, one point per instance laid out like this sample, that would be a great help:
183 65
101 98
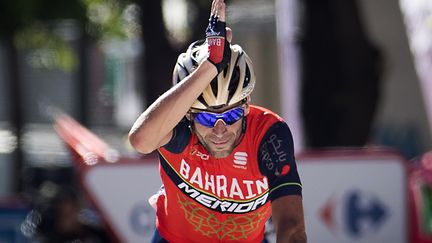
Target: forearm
291 235
288 219
153 127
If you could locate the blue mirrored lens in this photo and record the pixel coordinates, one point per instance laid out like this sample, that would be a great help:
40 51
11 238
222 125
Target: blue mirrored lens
209 119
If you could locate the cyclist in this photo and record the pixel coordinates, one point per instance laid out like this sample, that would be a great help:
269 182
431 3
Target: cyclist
226 165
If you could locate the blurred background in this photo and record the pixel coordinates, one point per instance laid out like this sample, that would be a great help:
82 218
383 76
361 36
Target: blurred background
344 74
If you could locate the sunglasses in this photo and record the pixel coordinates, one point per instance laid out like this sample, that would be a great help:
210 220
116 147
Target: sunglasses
209 119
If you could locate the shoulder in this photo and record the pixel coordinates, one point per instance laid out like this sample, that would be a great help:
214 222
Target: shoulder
258 111
180 138
262 118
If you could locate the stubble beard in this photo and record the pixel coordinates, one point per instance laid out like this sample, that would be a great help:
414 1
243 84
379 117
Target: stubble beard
218 154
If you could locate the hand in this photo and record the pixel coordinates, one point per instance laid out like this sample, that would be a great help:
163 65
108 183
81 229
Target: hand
218 46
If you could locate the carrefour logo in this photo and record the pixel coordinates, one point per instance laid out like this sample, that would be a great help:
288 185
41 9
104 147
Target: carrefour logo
359 214
142 219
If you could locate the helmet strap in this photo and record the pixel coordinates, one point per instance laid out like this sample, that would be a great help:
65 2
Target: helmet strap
243 129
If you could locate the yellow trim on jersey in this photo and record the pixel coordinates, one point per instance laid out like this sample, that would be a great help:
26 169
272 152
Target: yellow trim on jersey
287 184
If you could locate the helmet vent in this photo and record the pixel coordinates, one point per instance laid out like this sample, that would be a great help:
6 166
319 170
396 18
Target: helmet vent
184 69
247 77
234 82
202 100
214 86
230 86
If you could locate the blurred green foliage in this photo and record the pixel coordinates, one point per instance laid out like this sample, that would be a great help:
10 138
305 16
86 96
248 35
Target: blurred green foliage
34 25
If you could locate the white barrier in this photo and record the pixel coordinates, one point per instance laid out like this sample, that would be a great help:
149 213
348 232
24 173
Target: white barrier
121 192
354 196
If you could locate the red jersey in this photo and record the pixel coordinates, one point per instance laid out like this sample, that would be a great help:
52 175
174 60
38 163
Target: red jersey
206 199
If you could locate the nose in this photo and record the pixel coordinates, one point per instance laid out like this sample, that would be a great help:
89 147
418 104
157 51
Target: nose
220 127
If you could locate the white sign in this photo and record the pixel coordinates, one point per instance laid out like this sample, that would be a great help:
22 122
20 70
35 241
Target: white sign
354 199
121 192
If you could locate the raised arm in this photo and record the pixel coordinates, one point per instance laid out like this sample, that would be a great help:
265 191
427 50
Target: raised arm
154 126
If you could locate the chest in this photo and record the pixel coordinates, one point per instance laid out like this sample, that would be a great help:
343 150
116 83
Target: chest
234 177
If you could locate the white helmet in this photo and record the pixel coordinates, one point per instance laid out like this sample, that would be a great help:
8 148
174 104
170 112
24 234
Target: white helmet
232 85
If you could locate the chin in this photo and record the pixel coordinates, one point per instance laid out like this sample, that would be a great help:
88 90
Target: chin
219 150
220 154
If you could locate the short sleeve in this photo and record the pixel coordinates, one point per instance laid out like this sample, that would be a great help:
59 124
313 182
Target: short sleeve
277 162
180 138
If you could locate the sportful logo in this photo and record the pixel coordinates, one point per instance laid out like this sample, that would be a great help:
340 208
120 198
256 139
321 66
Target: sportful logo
240 160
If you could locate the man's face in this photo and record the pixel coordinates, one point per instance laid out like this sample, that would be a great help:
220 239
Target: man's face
221 139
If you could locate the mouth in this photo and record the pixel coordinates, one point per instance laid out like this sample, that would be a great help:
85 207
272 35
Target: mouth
221 142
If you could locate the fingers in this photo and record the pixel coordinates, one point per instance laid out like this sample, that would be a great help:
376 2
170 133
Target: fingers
218 9
221 10
218 36
213 8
